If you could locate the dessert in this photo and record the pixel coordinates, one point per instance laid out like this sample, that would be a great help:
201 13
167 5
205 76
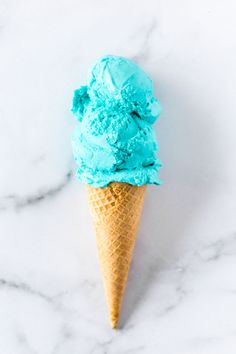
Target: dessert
115 150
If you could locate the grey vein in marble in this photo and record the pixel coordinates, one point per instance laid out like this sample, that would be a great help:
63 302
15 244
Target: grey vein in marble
21 286
18 203
216 250
23 341
145 47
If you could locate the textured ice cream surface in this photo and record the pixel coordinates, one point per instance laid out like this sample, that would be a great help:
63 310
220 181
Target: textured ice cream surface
115 140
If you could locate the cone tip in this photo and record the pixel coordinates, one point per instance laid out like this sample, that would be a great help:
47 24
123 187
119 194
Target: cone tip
114 323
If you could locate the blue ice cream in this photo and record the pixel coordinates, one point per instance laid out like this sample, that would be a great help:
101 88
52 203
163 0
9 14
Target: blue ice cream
115 140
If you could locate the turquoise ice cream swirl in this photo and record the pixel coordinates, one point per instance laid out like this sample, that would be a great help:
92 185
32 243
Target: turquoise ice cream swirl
115 140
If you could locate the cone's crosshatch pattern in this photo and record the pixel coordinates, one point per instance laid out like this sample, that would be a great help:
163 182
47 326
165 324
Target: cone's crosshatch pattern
116 211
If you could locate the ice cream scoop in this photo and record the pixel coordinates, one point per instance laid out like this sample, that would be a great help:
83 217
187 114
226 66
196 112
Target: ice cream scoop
115 140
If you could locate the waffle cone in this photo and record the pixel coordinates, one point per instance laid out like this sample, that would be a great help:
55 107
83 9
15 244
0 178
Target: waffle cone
116 211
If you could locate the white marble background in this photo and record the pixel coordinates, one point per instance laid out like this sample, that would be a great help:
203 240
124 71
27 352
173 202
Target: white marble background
181 295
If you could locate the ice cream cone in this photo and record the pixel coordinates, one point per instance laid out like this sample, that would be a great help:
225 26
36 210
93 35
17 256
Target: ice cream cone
116 211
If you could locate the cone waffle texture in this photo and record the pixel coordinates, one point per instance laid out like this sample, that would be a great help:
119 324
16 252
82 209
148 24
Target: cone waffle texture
116 211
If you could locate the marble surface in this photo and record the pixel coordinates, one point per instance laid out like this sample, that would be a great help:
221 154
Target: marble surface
181 294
